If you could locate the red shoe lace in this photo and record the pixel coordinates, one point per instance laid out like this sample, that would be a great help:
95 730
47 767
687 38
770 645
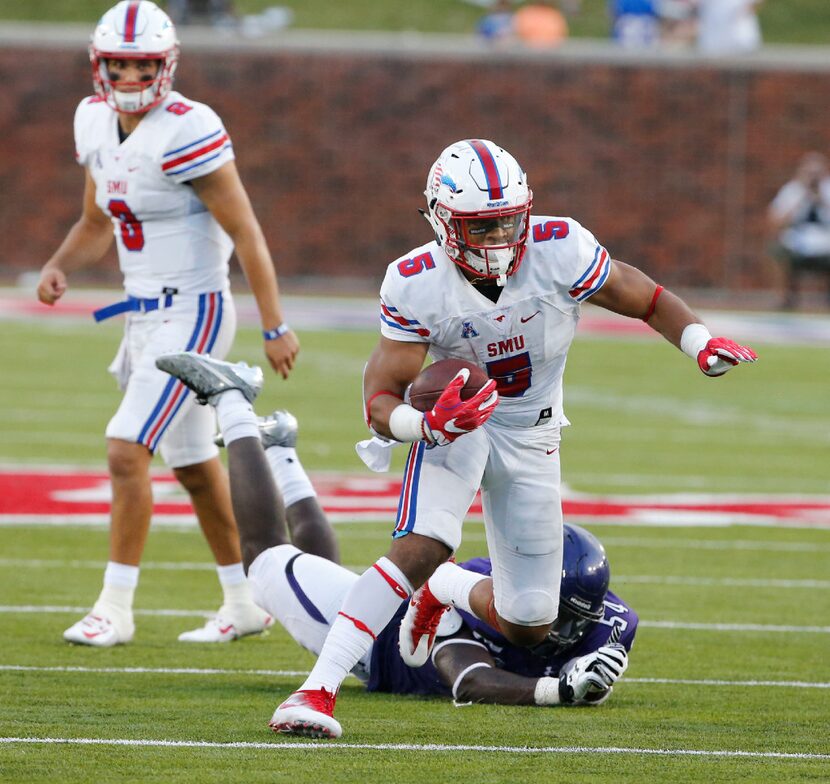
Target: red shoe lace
320 700
429 612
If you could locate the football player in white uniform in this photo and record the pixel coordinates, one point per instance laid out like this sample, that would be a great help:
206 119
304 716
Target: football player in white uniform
501 288
161 177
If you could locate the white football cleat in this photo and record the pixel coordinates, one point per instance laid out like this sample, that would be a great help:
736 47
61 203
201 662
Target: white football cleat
277 429
208 377
229 625
99 631
417 631
308 713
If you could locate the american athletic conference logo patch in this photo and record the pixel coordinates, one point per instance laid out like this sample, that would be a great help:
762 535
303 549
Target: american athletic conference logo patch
468 330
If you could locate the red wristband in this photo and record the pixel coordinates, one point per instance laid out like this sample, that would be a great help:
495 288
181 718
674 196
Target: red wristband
371 399
650 312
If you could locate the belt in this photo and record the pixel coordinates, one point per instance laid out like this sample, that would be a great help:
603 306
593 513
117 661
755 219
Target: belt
134 304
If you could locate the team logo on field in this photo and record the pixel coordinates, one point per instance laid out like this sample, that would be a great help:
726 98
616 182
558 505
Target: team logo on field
468 330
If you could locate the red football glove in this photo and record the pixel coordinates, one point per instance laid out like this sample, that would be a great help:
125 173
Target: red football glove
452 417
722 354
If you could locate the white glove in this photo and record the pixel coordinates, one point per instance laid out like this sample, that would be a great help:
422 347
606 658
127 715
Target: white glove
589 678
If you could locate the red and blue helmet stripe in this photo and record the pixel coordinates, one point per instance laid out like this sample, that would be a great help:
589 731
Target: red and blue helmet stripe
491 170
130 22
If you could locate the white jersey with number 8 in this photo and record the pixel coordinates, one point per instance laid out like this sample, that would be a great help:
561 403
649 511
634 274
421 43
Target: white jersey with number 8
165 235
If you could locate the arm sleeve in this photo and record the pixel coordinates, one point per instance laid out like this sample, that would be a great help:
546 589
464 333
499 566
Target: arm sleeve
199 146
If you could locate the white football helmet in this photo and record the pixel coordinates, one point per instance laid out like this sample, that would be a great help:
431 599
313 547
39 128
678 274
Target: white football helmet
134 30
478 203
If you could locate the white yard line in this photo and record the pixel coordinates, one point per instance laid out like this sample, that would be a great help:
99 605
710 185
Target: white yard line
303 673
42 563
714 544
32 609
26 609
334 746
191 566
734 627
735 582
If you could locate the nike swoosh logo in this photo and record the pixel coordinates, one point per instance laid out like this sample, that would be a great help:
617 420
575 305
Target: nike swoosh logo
551 451
226 629
91 635
525 320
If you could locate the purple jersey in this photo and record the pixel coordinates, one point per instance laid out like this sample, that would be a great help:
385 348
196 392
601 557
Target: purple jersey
390 674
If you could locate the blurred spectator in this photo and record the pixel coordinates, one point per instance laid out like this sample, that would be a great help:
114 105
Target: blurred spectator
219 13
496 26
540 24
634 23
678 22
728 26
799 219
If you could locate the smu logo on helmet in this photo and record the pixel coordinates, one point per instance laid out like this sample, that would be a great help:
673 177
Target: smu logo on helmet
503 203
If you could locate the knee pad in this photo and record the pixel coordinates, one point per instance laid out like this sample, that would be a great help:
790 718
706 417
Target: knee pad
531 608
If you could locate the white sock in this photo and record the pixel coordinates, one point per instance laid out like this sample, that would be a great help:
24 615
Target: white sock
120 581
236 416
232 574
234 585
367 608
451 584
289 474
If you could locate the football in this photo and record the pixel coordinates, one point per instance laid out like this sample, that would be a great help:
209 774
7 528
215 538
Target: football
433 380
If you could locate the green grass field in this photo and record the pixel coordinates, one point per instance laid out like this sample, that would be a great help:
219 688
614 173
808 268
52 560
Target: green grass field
783 21
644 421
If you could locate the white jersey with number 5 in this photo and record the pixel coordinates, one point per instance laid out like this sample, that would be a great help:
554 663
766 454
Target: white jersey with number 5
166 237
523 339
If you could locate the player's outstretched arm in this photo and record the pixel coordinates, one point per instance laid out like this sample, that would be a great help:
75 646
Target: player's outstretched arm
468 669
630 292
223 194
87 241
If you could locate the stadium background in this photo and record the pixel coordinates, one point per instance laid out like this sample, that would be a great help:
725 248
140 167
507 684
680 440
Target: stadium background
669 159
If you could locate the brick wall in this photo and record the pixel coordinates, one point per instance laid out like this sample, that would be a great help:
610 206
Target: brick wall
670 166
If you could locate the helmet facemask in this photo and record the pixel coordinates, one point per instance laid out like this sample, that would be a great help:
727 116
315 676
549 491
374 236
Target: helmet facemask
489 243
568 629
152 91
